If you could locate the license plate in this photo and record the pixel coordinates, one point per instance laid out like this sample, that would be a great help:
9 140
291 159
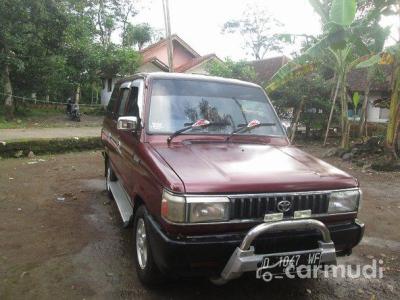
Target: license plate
278 263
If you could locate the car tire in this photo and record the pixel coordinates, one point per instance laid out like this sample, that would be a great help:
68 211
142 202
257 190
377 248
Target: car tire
146 268
110 177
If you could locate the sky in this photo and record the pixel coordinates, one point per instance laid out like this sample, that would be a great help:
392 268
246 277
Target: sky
199 22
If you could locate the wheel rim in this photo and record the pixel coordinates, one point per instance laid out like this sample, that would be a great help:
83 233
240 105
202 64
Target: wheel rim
141 243
108 177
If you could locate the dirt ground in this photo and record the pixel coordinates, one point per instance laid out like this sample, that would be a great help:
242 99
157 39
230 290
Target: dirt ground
52 119
48 133
61 120
61 238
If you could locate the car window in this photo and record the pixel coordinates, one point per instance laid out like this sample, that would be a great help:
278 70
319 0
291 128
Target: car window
177 103
133 108
122 102
113 100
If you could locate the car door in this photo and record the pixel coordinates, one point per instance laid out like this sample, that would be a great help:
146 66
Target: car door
117 159
109 134
130 141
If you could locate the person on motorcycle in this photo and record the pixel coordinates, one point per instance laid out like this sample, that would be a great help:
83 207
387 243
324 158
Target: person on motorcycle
69 106
73 110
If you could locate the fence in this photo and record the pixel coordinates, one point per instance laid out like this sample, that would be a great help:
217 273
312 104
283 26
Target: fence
39 103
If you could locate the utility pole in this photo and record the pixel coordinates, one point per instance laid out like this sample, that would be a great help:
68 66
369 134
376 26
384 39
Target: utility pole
168 35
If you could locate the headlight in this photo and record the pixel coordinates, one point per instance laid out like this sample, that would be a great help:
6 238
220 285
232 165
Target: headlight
180 209
208 209
173 207
344 201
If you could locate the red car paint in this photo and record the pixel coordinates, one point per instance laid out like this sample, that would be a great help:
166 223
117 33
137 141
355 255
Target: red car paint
208 164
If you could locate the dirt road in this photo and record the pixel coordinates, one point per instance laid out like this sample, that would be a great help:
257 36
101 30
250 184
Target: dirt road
53 126
61 238
47 133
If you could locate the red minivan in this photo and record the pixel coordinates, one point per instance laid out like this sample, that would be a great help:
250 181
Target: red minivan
202 169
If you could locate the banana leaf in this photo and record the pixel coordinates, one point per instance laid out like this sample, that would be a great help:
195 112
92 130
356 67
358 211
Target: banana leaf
343 12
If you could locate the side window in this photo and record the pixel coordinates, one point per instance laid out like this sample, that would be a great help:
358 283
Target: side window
133 108
113 100
122 102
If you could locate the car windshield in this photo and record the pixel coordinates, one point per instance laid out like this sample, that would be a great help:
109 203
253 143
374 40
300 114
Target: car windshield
176 103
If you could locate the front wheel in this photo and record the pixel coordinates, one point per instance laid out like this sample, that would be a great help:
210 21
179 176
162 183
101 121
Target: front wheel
147 270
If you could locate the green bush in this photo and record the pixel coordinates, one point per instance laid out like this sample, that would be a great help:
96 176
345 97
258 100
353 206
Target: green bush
49 146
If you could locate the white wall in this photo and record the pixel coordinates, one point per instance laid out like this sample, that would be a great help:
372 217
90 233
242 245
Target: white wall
199 69
376 114
105 94
149 68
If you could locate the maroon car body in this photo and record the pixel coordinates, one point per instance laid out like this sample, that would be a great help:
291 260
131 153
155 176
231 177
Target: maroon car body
246 167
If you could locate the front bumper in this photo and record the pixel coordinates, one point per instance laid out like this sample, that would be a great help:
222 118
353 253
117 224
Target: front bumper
208 255
244 259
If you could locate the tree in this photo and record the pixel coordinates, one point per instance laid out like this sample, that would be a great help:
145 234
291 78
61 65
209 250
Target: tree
231 69
86 58
128 11
104 14
342 46
258 30
374 74
30 31
304 97
390 56
110 15
118 60
137 35
10 43
57 48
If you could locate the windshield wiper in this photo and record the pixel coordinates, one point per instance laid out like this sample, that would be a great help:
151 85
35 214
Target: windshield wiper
202 123
251 125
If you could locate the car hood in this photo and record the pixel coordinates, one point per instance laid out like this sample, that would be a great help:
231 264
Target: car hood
215 167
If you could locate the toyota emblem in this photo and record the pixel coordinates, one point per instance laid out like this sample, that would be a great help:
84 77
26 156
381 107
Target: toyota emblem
284 206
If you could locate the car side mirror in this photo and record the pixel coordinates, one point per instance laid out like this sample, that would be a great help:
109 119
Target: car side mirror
127 123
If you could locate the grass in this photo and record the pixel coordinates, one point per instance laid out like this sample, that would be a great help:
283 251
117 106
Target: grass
42 117
22 118
21 148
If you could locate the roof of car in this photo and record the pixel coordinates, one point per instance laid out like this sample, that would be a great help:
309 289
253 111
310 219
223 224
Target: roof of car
166 75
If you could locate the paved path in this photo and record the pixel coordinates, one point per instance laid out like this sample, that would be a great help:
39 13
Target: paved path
47 133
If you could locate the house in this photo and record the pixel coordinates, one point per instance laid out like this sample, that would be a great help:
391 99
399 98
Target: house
266 68
108 82
379 92
155 59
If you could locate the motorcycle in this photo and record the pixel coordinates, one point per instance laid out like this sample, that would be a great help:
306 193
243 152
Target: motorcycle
73 111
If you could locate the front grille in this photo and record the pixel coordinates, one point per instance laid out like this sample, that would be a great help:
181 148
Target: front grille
256 206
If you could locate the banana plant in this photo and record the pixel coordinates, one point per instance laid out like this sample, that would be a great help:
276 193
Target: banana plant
391 56
344 49
356 101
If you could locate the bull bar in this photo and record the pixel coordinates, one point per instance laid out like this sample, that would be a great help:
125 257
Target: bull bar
243 259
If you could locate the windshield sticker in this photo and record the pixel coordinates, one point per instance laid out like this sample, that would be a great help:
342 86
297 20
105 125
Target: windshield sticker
156 125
